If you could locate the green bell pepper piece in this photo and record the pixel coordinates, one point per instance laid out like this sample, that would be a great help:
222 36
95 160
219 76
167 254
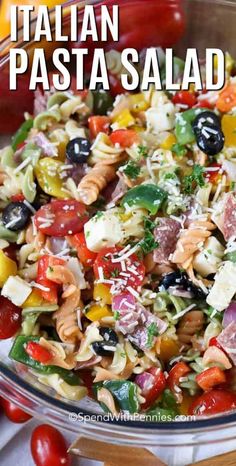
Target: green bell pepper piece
148 196
125 394
159 414
183 129
22 133
19 354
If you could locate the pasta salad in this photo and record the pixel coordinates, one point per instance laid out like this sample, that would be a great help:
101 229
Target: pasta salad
118 246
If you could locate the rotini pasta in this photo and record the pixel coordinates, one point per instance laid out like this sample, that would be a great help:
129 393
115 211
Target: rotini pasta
94 182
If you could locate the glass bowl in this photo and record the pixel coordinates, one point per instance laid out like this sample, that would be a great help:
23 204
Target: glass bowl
85 418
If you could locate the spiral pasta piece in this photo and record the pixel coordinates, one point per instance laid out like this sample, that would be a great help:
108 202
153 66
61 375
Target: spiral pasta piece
189 325
66 316
190 241
94 182
104 151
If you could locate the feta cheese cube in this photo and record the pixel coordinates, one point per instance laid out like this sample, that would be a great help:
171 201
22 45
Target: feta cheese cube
103 230
161 118
224 287
16 290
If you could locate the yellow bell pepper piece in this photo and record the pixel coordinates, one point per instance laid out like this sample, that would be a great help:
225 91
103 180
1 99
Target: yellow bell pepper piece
48 173
7 267
168 142
138 103
97 312
229 130
102 293
61 138
168 349
33 300
124 119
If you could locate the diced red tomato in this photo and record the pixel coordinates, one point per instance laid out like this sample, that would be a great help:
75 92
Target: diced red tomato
86 256
210 377
98 124
185 98
64 218
113 269
157 386
213 176
124 137
18 197
213 402
10 318
214 342
13 413
116 87
179 370
38 352
44 263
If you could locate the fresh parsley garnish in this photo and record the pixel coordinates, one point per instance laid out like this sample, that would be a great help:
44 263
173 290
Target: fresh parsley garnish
115 273
194 179
152 331
116 315
132 170
179 150
143 151
148 243
98 215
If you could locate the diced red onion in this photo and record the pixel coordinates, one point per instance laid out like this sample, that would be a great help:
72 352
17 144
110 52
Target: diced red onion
229 314
144 381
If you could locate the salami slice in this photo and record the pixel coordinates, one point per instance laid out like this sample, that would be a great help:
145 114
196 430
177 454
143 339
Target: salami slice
166 233
227 339
229 217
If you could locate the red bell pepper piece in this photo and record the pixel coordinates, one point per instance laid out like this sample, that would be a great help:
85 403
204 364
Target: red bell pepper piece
210 377
156 388
86 256
38 352
98 124
124 137
44 263
185 98
179 370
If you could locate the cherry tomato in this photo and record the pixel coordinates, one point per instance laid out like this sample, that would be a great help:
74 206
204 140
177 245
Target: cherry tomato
48 447
185 98
157 386
213 176
86 256
18 197
10 318
44 263
113 269
38 352
210 377
124 137
63 218
13 413
213 402
179 370
98 124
